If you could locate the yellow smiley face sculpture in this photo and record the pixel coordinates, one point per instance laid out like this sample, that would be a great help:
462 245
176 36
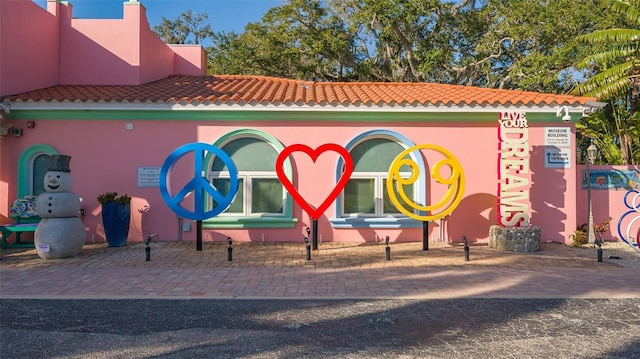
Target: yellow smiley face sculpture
455 182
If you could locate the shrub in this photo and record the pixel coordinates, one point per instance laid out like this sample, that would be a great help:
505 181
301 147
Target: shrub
113 197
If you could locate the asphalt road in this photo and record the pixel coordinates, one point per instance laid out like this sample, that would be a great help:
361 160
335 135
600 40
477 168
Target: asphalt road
360 329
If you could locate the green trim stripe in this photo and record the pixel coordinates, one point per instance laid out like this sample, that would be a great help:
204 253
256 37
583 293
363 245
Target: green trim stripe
222 222
239 115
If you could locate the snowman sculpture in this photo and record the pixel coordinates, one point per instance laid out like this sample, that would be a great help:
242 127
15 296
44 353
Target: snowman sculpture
60 233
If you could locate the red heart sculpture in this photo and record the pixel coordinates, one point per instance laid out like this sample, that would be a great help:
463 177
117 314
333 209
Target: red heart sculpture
315 213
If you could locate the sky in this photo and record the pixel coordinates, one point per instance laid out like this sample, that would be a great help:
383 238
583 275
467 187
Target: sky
224 15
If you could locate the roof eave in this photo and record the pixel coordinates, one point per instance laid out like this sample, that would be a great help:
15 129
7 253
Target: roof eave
588 107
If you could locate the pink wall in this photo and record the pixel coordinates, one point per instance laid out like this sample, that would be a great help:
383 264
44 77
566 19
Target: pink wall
29 43
109 162
88 57
91 46
42 48
553 191
605 203
189 60
156 58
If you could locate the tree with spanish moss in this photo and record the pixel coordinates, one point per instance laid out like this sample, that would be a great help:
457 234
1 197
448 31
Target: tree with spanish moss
187 28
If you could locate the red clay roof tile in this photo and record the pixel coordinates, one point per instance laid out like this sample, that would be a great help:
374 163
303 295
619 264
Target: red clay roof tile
236 89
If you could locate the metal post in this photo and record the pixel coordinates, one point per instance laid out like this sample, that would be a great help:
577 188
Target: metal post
306 241
387 249
599 243
147 249
314 239
199 235
592 154
229 250
425 235
590 234
466 248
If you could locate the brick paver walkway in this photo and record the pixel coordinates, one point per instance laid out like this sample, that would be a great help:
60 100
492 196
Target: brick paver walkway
336 270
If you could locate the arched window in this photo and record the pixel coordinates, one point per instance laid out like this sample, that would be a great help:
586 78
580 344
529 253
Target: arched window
365 195
33 164
364 202
261 200
259 189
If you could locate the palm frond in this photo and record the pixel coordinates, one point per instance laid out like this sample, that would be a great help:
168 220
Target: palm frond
603 91
629 8
611 56
609 150
613 73
608 83
610 36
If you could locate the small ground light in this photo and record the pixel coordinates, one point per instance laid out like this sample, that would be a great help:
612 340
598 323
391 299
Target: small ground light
599 244
306 241
229 250
466 248
387 248
147 249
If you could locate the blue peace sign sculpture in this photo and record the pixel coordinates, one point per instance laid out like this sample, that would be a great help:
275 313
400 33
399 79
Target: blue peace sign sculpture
199 184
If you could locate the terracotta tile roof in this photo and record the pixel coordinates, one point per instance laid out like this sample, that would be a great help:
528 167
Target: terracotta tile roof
242 90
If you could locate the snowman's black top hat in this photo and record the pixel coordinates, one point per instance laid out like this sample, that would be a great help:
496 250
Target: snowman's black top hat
59 163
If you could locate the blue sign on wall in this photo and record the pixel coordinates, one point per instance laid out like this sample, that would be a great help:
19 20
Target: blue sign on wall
612 179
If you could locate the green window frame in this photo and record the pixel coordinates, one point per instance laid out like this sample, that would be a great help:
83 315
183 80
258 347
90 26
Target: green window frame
384 213
260 192
365 194
33 164
261 200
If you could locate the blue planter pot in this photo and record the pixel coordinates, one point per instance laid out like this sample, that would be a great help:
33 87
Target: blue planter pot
116 218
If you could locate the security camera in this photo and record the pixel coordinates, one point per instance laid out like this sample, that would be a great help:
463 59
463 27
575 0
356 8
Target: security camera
566 118
17 132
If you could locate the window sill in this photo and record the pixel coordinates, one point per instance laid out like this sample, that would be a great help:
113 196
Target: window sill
249 222
375 223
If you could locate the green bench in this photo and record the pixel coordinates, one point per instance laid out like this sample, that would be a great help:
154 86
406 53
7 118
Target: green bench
25 220
17 229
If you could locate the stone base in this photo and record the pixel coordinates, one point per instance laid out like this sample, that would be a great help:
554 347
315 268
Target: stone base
515 239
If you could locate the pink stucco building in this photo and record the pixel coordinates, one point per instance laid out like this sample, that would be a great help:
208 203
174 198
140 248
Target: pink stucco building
119 101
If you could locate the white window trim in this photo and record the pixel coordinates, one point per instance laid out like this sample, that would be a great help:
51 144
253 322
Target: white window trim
247 177
378 178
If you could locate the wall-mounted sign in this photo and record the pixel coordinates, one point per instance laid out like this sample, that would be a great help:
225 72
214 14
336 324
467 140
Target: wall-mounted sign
612 179
557 136
148 177
515 178
556 157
